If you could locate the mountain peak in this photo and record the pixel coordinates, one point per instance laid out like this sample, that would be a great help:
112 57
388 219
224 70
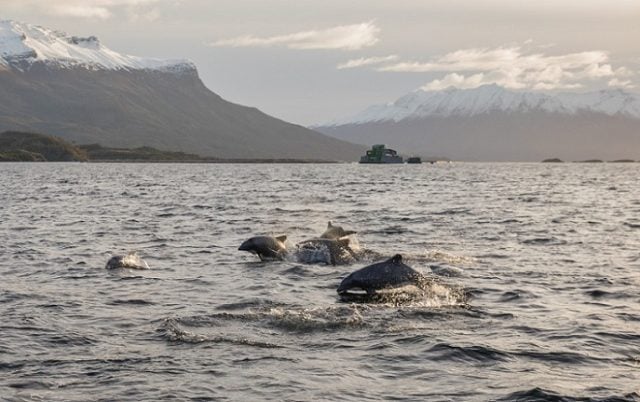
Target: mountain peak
22 45
421 103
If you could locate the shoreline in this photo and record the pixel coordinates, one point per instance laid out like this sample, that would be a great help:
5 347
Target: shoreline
218 161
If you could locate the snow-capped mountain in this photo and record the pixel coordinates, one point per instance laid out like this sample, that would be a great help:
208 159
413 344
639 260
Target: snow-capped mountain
421 104
493 123
23 45
78 89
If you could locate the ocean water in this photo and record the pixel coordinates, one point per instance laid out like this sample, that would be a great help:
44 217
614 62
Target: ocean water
539 268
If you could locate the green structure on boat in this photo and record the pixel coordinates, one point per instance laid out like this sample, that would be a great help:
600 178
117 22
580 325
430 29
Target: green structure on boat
381 154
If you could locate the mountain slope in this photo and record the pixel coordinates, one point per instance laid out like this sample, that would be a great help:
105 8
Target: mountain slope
79 90
492 123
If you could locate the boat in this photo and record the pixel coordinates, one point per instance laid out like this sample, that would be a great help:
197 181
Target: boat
379 153
414 159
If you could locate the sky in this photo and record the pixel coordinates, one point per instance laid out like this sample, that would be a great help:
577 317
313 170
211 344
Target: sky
313 61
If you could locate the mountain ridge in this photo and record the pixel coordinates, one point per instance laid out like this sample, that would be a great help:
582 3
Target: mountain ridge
490 98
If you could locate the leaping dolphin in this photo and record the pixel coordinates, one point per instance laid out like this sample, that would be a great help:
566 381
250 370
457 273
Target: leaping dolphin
268 248
335 232
328 251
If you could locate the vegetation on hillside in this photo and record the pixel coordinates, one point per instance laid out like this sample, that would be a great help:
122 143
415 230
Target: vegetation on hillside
97 152
21 156
17 146
30 147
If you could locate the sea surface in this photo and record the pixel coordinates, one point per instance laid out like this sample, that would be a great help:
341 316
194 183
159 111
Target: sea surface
539 266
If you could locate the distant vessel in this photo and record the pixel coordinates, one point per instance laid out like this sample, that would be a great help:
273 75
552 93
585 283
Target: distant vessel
414 159
381 154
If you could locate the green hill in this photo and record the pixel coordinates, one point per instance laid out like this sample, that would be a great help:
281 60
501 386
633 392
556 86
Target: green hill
98 153
31 147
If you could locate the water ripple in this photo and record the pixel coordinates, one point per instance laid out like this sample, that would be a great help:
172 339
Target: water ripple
534 271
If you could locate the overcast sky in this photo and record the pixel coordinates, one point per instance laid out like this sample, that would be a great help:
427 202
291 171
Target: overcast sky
310 61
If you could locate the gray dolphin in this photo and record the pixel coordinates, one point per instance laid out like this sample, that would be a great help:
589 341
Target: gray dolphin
329 251
268 248
388 274
131 260
335 232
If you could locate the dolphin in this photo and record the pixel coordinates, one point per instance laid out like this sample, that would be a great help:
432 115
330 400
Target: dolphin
131 260
329 251
335 232
389 274
268 248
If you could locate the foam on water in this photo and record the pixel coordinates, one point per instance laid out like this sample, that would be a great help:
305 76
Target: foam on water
428 294
447 257
132 259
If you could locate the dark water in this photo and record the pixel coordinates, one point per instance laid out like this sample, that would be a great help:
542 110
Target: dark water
547 257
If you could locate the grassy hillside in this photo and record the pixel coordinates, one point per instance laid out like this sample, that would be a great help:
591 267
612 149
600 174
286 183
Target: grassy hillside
29 147
17 146
97 153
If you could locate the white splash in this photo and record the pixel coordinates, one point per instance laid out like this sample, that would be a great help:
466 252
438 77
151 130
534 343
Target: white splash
133 260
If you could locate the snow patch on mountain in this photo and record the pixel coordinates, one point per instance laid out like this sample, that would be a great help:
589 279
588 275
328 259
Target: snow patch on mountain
22 45
493 98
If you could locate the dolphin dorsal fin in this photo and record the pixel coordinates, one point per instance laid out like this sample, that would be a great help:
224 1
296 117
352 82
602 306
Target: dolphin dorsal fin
282 238
396 259
329 225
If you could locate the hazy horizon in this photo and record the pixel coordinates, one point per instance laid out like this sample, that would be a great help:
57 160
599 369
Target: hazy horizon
309 63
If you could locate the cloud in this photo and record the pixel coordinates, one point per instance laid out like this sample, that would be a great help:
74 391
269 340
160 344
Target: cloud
514 67
461 60
624 72
456 80
368 61
96 9
81 11
618 83
348 37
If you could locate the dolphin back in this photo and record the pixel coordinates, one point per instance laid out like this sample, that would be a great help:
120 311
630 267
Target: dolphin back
387 274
